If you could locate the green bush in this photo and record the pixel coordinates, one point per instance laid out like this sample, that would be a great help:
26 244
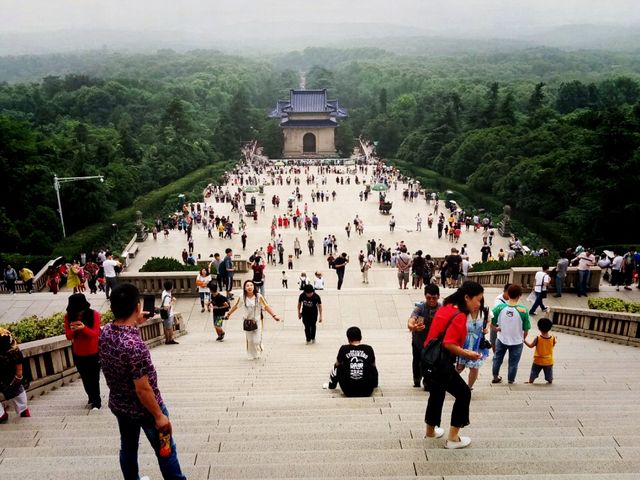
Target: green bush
167 264
612 304
519 261
34 328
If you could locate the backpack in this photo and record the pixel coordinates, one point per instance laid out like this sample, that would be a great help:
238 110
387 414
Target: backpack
436 362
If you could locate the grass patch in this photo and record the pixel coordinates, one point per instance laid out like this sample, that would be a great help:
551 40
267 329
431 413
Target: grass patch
533 231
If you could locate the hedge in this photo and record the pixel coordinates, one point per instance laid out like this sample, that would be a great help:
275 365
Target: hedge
519 261
150 205
33 328
613 304
167 264
17 261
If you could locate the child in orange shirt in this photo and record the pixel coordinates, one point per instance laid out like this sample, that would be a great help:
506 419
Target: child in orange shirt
543 356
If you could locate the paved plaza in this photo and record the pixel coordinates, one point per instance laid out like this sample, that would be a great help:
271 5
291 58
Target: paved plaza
270 418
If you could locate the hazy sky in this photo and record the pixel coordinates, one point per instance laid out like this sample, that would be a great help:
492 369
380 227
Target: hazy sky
438 16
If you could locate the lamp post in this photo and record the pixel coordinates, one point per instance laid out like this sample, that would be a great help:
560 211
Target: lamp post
56 185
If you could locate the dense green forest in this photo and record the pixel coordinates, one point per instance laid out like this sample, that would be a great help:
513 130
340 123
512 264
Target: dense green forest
554 134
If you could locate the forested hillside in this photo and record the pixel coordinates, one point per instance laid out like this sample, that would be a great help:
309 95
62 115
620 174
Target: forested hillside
555 134
141 121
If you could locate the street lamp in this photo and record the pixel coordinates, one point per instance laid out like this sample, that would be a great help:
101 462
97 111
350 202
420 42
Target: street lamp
56 185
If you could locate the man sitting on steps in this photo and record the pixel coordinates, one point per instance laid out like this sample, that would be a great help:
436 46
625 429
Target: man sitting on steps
355 368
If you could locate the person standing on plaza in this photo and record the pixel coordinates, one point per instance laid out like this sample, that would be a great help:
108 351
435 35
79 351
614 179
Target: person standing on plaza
202 282
252 305
167 301
340 264
348 229
311 243
585 260
82 328
418 223
366 266
485 252
26 276
310 312
134 397
511 321
110 267
403 265
419 324
227 270
541 283
10 278
450 324
629 267
561 273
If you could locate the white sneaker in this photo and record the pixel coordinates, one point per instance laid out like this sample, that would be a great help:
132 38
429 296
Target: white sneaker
325 386
462 443
438 432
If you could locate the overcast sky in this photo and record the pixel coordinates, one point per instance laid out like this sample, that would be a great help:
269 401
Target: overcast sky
438 16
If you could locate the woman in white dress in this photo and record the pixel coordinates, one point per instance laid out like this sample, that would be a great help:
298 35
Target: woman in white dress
252 304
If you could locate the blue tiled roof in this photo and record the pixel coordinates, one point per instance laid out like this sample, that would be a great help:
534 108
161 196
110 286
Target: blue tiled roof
308 101
309 123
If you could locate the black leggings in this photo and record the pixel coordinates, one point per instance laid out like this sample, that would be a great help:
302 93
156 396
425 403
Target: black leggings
415 364
457 387
89 369
309 328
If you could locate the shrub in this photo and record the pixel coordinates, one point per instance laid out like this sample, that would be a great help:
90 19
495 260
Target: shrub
33 328
167 264
612 304
17 261
519 261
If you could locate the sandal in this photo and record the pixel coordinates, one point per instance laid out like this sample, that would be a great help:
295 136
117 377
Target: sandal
496 380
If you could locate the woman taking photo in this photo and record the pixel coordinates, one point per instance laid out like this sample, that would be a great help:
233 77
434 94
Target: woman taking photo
82 328
251 304
451 320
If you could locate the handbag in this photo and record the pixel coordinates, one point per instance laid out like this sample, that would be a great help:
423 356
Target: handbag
164 313
250 324
436 362
484 343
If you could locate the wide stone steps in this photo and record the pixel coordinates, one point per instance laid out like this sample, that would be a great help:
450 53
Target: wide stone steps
270 418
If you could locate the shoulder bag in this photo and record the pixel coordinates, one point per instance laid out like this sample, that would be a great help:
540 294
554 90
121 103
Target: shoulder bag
435 360
250 324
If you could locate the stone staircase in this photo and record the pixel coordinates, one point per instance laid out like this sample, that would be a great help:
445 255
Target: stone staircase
270 418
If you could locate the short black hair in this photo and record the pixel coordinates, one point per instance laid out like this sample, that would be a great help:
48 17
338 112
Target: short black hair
227 250
506 287
168 285
431 289
308 288
213 286
354 334
545 324
124 299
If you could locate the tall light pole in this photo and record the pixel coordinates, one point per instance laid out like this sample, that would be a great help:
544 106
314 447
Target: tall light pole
56 185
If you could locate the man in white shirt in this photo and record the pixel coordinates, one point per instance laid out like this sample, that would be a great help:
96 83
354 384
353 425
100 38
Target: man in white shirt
541 282
616 271
585 260
501 299
110 274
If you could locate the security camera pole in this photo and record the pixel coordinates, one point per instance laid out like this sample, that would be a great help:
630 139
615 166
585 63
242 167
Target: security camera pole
56 185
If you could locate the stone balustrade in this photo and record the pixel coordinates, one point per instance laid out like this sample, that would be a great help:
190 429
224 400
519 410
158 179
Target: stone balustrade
39 279
614 327
49 364
184 283
525 276
240 265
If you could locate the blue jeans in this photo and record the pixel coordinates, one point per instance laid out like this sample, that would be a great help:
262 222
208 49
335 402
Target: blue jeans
583 281
537 303
515 352
129 440
559 282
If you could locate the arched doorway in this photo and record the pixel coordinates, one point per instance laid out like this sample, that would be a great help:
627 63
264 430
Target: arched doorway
309 143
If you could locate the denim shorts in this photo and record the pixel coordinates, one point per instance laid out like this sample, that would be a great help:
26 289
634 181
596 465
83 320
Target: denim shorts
218 320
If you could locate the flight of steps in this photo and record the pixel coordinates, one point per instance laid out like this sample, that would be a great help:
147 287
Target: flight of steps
235 418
